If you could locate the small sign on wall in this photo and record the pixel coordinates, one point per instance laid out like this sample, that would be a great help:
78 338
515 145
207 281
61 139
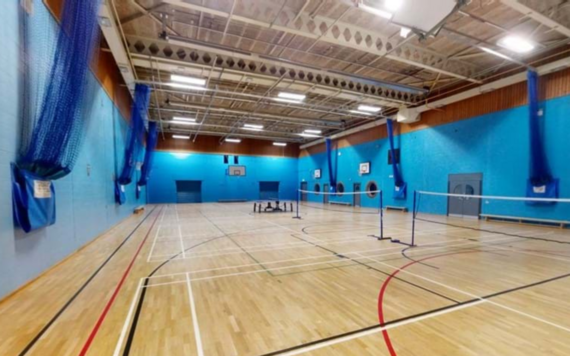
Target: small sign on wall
364 168
317 174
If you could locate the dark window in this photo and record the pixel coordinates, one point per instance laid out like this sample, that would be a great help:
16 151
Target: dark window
317 189
226 159
371 189
236 159
339 188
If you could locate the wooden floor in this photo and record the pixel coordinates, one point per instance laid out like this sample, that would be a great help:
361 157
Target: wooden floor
216 279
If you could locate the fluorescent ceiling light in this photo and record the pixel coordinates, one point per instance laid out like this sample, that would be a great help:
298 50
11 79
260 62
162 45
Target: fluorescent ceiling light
187 80
181 137
404 32
282 144
187 123
251 129
498 54
393 5
180 118
308 135
288 101
233 140
516 44
252 126
313 131
360 112
369 108
297 97
185 86
376 11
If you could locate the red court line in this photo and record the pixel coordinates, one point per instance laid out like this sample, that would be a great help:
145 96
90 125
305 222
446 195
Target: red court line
116 292
383 291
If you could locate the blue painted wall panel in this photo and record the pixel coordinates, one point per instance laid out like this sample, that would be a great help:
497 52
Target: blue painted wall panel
85 202
216 184
495 145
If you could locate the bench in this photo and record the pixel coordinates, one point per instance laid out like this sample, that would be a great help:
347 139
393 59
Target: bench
523 220
339 203
139 210
402 209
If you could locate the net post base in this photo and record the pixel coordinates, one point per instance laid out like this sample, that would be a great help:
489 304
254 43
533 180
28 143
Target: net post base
392 240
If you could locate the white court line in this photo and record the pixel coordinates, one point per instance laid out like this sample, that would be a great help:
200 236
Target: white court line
153 244
197 336
471 295
181 242
295 266
377 330
127 320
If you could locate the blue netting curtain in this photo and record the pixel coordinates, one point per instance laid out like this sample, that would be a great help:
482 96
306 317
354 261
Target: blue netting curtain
136 133
55 109
399 184
541 183
332 166
151 140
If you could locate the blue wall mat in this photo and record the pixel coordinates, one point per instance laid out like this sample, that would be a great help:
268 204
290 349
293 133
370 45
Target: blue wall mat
495 145
85 199
216 184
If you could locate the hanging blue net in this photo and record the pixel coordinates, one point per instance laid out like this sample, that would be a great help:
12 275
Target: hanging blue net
55 101
332 166
540 184
399 184
151 140
134 145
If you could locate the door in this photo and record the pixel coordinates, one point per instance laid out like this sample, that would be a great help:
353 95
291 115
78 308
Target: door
188 191
269 190
304 194
465 184
326 195
356 196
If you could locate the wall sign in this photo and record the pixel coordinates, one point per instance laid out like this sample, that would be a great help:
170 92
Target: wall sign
317 174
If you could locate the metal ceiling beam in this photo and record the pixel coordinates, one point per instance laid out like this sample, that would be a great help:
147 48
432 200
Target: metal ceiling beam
343 34
537 16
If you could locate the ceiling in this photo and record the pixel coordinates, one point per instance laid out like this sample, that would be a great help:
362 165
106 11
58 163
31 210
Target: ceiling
332 51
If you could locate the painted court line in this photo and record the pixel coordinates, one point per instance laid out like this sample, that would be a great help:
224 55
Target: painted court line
472 295
182 249
128 319
197 336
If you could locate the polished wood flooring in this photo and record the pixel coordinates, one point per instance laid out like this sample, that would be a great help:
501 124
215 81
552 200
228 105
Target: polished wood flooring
216 279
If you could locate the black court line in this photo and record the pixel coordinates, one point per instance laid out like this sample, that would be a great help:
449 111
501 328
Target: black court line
496 232
68 303
411 259
426 313
136 317
339 255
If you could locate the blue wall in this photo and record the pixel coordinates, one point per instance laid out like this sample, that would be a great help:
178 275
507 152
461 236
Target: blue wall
495 145
216 184
85 202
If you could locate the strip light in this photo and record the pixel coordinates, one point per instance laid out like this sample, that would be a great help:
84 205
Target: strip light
252 126
187 123
181 137
185 86
360 112
188 80
516 44
281 144
233 140
291 96
251 129
498 54
369 108
281 100
180 118
313 131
